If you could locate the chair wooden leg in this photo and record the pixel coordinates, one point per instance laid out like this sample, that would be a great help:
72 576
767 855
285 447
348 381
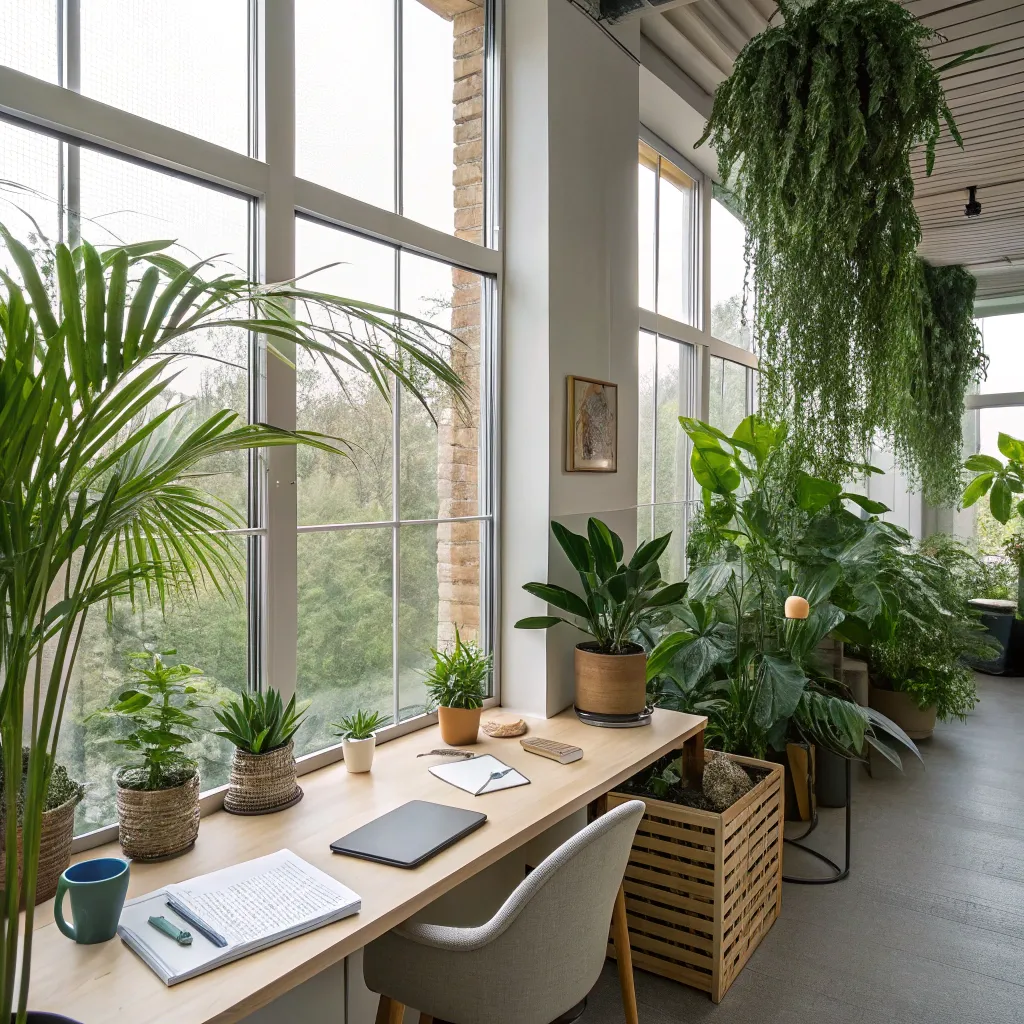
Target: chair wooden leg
624 958
390 1012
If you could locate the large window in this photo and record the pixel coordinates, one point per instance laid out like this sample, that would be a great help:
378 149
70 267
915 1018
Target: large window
728 266
665 485
390 102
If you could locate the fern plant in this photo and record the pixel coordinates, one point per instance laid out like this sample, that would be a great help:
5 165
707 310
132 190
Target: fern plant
814 130
258 723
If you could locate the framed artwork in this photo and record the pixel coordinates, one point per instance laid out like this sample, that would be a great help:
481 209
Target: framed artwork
592 435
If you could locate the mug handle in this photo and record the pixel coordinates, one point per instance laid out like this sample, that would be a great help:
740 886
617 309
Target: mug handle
58 909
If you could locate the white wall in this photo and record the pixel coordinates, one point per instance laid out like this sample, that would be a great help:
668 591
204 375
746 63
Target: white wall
570 300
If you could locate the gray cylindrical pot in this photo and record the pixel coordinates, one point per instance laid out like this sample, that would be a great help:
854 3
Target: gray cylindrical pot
830 778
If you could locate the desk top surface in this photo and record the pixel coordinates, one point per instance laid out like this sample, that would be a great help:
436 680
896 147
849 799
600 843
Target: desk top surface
108 983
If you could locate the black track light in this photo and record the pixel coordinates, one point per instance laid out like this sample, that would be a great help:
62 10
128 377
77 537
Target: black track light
973 207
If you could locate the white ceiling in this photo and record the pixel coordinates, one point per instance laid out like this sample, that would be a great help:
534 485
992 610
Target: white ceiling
703 37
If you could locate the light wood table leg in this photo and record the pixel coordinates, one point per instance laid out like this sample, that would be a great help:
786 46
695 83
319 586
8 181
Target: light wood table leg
624 958
390 1012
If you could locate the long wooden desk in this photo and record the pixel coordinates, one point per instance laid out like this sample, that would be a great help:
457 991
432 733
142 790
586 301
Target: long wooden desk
106 983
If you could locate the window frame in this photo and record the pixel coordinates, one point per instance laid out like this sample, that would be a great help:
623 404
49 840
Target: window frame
278 197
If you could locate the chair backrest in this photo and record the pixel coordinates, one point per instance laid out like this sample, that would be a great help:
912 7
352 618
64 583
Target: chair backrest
552 932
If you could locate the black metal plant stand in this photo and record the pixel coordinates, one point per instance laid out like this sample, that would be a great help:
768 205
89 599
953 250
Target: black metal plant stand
838 873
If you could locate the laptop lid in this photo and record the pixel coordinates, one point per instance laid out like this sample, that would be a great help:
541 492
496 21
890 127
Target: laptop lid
410 834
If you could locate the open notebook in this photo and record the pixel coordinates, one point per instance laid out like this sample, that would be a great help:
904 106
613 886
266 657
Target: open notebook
249 906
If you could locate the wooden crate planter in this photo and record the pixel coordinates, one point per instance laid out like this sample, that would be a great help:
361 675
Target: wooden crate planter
702 889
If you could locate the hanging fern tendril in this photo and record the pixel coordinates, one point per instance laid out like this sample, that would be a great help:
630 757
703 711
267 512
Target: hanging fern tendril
814 130
928 434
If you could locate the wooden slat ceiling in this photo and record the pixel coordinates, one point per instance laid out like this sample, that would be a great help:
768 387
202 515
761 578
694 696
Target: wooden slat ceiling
986 96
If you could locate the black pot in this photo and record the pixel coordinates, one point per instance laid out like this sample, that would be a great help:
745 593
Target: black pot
830 778
1015 650
998 619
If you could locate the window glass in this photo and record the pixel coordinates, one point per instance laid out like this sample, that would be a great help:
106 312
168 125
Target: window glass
1003 338
727 270
676 198
182 63
647 171
345 97
29 37
29 190
648 370
729 397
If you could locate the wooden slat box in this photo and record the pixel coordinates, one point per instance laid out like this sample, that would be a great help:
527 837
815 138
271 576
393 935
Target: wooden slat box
702 889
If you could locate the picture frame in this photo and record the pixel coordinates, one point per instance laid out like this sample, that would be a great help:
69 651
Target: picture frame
592 425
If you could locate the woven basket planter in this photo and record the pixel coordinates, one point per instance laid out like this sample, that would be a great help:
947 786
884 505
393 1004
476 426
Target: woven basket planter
262 783
702 889
154 824
54 849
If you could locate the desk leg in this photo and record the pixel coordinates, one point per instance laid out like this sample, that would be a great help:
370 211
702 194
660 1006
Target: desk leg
693 761
624 958
389 1011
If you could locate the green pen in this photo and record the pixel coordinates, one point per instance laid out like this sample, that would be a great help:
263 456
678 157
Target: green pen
161 924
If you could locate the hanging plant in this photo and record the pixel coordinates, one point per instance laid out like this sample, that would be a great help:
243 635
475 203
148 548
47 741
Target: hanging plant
814 131
927 434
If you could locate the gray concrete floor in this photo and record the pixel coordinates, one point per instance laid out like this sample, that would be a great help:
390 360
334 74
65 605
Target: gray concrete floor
928 928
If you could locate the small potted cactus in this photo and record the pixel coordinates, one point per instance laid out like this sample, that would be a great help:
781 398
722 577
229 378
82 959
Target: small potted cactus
359 739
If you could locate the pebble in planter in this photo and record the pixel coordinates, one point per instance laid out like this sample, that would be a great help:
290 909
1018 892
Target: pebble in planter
261 727
158 794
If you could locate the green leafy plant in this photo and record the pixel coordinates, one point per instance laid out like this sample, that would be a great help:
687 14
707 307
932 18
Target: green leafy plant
359 726
458 677
814 131
260 722
769 530
159 707
919 644
62 787
617 597
97 497
999 480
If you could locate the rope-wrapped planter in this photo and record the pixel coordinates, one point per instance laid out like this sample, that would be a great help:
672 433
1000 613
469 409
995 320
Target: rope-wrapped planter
154 824
262 783
58 830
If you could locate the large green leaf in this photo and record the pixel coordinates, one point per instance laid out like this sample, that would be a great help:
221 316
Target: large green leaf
1011 447
977 488
983 463
781 683
559 597
713 468
649 552
875 508
576 548
813 493
710 580
757 436
670 594
602 543
1001 500
659 659
538 622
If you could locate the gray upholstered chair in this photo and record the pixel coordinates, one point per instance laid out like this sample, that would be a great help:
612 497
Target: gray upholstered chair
536 958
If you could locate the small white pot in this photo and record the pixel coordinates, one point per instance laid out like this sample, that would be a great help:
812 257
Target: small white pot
359 754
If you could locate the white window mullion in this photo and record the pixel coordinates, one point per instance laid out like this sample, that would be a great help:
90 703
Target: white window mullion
276 28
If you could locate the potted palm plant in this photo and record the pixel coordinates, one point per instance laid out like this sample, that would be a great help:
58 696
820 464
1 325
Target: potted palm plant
96 500
158 791
358 738
456 687
261 727
617 598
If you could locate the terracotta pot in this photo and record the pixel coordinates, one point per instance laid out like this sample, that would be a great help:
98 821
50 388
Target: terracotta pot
154 824
902 709
359 754
610 684
262 783
459 726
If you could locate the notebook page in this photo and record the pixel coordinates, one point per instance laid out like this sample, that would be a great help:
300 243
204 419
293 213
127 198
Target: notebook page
476 772
267 896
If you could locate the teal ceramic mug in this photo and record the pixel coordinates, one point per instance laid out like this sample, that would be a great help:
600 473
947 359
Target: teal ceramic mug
98 888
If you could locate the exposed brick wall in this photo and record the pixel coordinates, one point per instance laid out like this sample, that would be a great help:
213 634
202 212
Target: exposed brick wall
458 544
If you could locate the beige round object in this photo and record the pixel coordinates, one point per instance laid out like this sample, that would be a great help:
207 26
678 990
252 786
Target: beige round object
262 783
504 726
611 684
158 823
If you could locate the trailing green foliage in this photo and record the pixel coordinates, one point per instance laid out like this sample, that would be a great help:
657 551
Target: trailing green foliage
360 725
159 708
260 722
919 643
458 678
927 435
769 530
814 130
617 596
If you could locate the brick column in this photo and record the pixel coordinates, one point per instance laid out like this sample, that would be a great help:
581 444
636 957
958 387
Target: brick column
458 547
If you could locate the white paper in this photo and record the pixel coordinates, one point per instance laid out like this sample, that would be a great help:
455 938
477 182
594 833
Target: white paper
471 774
252 905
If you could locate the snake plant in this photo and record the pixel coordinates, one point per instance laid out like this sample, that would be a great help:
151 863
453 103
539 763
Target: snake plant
258 723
